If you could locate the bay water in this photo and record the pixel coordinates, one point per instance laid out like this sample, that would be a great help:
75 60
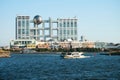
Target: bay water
50 66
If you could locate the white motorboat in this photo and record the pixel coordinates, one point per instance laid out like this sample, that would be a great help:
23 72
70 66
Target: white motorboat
73 55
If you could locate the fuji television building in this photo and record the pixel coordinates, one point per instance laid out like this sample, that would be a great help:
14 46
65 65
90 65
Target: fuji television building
43 30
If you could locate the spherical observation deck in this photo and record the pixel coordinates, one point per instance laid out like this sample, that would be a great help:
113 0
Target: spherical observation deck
37 19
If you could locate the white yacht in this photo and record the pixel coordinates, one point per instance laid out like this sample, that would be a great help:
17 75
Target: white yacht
73 55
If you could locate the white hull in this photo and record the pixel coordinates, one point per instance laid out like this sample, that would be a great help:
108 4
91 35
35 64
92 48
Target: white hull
74 55
66 56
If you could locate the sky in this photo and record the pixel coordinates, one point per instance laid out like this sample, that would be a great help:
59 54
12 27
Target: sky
98 20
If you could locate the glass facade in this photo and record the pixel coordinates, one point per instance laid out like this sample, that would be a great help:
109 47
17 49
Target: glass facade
19 23
22 27
66 29
69 29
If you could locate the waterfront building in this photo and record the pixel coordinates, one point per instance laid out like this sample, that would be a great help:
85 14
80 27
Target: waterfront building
60 29
88 44
74 44
43 30
31 46
21 43
43 45
112 46
100 45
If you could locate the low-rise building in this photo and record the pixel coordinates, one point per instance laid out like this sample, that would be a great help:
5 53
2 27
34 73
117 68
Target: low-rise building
21 43
112 46
74 44
43 45
30 46
88 44
100 45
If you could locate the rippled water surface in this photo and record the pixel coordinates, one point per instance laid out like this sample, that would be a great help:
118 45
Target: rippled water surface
53 67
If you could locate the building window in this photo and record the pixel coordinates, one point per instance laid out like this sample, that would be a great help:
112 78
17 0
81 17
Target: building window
67 24
27 23
22 42
64 31
19 31
23 23
27 32
23 31
75 24
60 24
68 32
64 24
19 23
60 31
71 24
34 32
71 32
75 32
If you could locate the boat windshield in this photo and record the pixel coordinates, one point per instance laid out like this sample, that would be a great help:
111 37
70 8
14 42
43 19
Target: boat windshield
75 53
68 53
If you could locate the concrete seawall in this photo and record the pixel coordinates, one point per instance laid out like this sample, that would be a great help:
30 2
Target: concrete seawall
4 53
